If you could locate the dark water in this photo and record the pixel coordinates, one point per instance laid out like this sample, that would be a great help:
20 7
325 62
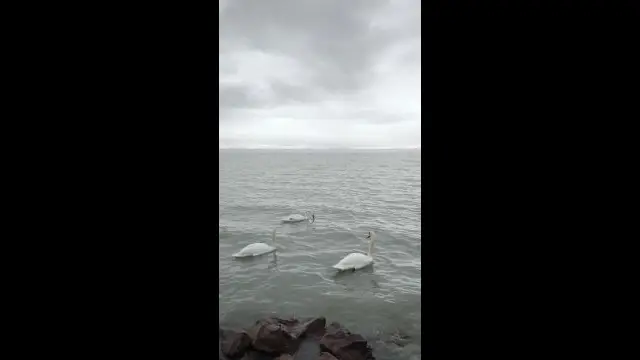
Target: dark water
350 192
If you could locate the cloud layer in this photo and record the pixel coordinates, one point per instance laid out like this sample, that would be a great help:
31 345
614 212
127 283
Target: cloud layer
318 74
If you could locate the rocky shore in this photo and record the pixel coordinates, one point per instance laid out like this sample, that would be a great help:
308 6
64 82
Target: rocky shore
292 339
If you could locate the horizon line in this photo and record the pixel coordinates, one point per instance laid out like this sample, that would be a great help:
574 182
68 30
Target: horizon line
321 148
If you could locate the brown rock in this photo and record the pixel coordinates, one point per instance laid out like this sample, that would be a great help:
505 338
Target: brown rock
256 355
234 344
277 336
327 356
284 357
271 336
344 345
312 327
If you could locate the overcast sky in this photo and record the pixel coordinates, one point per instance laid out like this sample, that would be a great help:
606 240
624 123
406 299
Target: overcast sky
319 73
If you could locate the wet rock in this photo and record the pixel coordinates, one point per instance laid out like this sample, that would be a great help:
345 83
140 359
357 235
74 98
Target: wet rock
277 336
234 344
344 345
256 355
284 357
272 337
327 356
309 349
314 327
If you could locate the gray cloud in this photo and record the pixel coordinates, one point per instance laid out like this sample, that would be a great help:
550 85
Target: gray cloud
288 66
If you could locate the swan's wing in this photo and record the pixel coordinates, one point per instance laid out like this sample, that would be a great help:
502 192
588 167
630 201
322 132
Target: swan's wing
294 217
253 249
352 260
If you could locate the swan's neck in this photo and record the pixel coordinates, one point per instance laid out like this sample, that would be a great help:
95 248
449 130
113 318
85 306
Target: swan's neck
273 237
371 245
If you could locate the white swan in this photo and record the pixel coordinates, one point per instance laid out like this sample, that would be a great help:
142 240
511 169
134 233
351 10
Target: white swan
294 218
257 249
356 261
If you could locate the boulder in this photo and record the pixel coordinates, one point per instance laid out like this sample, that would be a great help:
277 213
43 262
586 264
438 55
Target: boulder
314 327
326 356
234 344
272 337
284 357
279 336
344 345
256 355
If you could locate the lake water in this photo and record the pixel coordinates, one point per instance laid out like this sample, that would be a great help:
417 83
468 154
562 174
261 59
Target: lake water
351 193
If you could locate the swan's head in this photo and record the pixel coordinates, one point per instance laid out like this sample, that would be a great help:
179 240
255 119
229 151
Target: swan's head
370 235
